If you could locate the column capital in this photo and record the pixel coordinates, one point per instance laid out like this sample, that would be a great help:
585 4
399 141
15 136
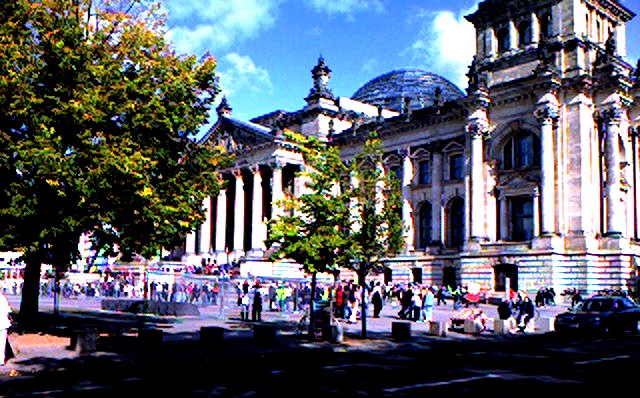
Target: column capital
237 173
404 152
255 169
536 192
478 128
613 114
548 109
277 164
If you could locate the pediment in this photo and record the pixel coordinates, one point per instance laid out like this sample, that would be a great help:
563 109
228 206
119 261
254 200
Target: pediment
235 135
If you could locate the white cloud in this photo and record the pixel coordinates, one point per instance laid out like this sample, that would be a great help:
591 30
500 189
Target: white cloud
346 7
445 45
369 66
197 26
239 73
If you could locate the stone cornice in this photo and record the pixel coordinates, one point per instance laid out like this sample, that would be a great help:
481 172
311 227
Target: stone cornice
614 8
496 10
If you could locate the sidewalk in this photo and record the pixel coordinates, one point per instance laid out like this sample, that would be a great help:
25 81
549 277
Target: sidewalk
38 352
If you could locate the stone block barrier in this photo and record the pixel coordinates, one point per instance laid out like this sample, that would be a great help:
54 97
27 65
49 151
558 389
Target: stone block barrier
140 306
264 332
150 339
211 336
401 330
84 341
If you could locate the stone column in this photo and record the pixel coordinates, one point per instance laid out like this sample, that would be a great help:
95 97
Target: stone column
258 228
221 222
191 243
478 128
205 228
407 209
504 218
536 211
513 36
547 114
535 28
615 220
238 230
354 204
437 207
277 194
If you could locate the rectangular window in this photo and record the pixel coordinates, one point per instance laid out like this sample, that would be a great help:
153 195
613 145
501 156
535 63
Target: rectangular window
522 219
424 172
396 171
524 151
456 167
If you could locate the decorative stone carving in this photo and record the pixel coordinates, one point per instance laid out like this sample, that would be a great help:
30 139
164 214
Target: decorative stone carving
321 75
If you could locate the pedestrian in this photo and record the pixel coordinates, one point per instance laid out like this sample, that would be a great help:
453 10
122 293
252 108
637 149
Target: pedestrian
576 299
527 312
5 324
256 309
376 300
244 307
427 305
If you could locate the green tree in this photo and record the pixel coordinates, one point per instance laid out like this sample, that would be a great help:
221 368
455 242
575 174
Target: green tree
97 118
376 227
311 231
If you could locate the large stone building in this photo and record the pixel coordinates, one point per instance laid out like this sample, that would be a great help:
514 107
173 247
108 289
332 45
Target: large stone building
531 175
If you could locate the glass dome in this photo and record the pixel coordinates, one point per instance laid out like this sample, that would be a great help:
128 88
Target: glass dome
390 89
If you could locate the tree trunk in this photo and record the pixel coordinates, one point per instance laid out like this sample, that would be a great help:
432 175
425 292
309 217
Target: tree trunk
363 304
312 313
30 295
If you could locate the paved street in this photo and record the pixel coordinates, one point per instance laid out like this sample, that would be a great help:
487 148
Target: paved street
540 363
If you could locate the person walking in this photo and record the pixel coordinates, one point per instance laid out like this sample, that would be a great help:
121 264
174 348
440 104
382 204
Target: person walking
5 324
376 300
256 308
427 305
244 307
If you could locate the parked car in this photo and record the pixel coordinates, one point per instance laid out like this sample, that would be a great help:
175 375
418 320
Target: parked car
601 314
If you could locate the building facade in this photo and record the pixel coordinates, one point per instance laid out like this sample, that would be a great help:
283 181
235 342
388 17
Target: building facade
531 176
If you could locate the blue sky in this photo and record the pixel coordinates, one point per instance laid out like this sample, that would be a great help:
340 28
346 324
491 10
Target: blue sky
266 48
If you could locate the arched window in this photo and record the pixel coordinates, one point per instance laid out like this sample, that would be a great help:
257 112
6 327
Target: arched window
525 34
425 225
456 223
521 151
503 40
546 25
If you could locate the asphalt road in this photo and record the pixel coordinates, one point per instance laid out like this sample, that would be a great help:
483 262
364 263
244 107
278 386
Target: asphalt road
541 364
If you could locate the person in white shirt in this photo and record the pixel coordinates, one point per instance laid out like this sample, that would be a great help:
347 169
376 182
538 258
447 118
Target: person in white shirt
5 324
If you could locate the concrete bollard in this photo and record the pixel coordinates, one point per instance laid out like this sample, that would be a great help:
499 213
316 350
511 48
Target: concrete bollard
501 326
545 325
84 341
333 333
150 338
264 332
211 336
401 330
437 329
470 326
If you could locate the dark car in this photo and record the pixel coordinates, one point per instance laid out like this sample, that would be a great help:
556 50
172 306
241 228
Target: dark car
601 314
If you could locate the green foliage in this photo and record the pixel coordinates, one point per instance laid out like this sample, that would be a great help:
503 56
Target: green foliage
97 118
376 216
335 225
311 231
